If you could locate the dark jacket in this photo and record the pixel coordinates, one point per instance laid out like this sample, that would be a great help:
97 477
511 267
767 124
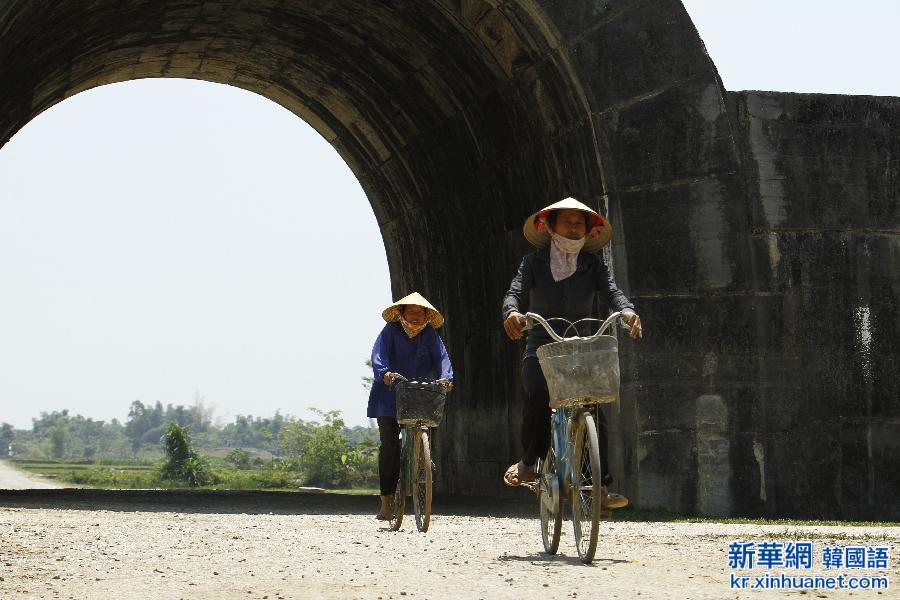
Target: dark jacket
533 289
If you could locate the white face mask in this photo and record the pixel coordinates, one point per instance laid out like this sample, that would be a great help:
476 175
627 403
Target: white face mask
564 244
564 255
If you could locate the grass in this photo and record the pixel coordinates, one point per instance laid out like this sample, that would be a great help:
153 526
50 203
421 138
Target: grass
132 474
636 514
144 474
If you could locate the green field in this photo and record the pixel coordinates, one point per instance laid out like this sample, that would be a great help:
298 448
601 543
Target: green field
144 474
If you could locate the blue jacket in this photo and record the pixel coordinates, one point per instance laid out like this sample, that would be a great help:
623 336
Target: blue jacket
421 356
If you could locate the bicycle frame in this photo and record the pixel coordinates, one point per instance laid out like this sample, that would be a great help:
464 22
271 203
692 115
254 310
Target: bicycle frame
561 434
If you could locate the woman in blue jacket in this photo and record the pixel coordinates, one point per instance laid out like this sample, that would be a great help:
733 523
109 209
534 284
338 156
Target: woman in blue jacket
409 346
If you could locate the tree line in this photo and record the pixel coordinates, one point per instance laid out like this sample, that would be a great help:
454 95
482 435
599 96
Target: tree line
325 451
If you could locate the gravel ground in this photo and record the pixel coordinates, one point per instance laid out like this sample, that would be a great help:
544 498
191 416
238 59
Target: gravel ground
14 479
141 549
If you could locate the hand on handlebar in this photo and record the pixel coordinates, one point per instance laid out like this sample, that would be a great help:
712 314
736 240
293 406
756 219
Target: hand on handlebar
513 325
446 384
391 378
633 321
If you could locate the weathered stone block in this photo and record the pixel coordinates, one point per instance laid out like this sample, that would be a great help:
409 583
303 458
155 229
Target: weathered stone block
802 469
680 133
822 161
666 471
749 493
714 494
870 452
629 65
681 237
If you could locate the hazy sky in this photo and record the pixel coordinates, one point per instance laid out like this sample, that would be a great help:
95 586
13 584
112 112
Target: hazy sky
821 46
161 239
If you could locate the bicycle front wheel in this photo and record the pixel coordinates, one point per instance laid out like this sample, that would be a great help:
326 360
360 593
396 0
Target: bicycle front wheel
399 500
421 480
548 502
586 482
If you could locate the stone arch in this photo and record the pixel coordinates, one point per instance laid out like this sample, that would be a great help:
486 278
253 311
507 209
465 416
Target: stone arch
459 117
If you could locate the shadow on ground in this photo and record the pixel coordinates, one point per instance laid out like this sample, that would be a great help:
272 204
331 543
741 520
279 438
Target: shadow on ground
247 502
302 502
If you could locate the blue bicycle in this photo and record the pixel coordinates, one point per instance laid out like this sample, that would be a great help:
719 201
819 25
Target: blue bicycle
581 373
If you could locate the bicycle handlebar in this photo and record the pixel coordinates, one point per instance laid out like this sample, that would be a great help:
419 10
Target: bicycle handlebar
400 378
532 318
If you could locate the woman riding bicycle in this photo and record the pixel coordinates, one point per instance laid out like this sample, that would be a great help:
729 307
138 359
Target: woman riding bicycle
408 346
560 279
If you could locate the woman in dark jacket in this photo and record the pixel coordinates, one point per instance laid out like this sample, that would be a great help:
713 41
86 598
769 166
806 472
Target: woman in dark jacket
563 278
409 346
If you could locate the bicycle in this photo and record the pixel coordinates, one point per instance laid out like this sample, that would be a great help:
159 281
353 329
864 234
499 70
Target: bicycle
420 406
581 372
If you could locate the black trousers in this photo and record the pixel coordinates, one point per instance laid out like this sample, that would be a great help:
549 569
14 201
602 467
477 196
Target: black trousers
536 419
388 455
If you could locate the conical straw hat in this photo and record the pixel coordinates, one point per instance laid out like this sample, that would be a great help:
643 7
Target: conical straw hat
392 313
536 232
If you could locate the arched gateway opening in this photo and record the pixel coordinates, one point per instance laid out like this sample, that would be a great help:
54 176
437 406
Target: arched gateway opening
459 117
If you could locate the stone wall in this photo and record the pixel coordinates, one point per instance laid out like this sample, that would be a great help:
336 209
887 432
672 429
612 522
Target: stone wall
823 186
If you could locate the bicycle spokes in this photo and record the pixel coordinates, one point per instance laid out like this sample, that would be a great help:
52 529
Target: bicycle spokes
586 480
585 488
549 502
421 479
398 504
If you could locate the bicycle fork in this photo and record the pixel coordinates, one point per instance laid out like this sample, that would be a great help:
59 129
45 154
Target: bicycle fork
560 428
562 433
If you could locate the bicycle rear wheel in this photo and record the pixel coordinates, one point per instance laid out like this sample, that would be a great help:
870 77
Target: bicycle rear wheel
421 480
548 502
586 482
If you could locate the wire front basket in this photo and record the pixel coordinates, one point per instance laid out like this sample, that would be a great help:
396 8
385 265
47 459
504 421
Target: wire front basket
420 402
581 372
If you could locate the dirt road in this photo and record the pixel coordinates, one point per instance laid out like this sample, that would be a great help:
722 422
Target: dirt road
14 479
139 550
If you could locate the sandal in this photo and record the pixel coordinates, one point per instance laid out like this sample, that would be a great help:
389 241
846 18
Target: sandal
519 473
611 501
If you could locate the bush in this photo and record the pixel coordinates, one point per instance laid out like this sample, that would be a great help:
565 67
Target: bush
324 461
113 478
182 464
239 457
362 461
265 479
325 454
